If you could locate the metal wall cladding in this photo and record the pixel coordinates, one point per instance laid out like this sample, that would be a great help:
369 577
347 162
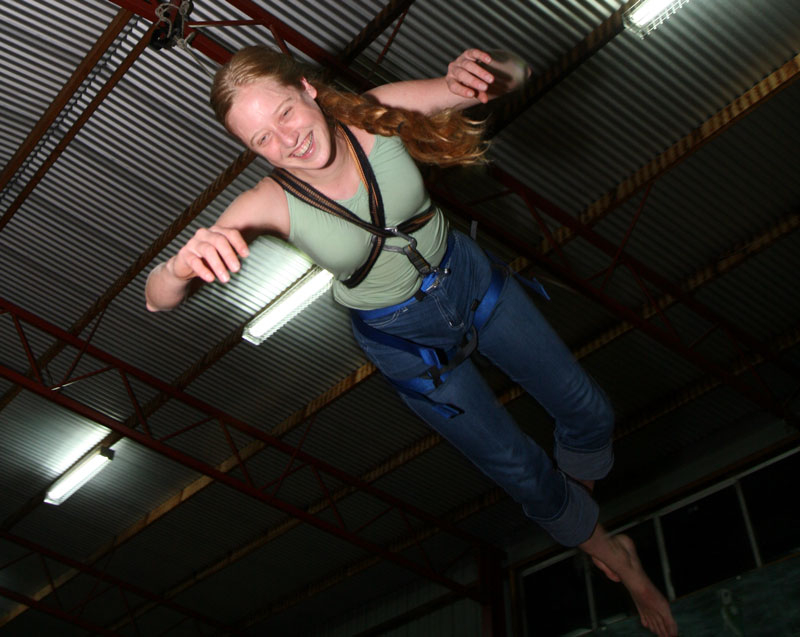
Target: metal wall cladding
435 32
41 441
758 295
635 97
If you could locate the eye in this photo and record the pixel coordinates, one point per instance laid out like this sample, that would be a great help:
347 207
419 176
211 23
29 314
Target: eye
286 112
262 140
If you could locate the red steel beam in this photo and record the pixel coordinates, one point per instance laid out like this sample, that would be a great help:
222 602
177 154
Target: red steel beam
55 612
242 485
665 337
393 10
741 338
291 36
89 61
280 30
200 41
202 467
110 579
76 127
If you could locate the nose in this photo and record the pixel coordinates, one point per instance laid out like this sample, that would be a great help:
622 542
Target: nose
287 136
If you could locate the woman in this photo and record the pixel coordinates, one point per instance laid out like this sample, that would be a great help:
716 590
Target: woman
418 291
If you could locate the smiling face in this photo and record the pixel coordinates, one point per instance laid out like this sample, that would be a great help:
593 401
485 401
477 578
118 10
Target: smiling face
283 124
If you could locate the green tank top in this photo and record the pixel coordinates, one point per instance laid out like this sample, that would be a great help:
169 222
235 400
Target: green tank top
341 247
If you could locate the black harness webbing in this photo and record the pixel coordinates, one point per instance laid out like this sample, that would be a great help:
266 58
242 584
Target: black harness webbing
377 227
440 363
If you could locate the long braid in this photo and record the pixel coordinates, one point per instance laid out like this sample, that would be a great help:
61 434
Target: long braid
446 138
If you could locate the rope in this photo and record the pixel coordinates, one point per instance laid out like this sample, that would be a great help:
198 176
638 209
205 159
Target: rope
185 44
182 40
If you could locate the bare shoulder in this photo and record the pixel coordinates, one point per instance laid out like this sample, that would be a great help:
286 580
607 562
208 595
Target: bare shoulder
366 139
262 209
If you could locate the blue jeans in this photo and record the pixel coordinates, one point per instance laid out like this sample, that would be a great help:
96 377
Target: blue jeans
520 342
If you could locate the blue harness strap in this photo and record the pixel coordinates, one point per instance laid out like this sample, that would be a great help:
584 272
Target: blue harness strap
484 309
440 363
532 283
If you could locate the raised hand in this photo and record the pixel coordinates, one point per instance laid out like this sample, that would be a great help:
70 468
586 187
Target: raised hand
486 74
467 75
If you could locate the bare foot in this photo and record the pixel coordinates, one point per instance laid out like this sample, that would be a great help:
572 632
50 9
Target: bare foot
616 557
609 573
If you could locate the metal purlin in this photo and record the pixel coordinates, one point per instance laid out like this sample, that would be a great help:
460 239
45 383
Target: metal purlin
156 441
564 271
67 113
110 582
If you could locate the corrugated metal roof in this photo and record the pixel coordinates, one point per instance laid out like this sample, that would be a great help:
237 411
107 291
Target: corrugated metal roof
152 148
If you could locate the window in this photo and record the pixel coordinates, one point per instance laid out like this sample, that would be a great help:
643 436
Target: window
771 496
707 542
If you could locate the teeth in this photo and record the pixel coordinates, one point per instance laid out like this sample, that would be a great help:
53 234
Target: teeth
304 148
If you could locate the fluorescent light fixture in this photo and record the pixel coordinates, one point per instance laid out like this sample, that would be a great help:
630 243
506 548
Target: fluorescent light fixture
647 15
286 306
78 475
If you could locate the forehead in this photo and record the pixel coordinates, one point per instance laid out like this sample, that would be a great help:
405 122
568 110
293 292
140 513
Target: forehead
255 102
263 93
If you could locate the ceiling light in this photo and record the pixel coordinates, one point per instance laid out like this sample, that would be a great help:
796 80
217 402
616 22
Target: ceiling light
646 15
309 287
78 475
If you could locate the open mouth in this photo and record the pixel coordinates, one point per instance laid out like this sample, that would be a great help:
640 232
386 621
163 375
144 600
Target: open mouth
305 148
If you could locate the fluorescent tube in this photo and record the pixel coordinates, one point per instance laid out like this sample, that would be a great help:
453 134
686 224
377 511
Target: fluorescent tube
293 301
645 16
78 475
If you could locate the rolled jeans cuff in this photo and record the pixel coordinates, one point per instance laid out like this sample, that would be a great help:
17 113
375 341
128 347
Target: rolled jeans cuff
585 465
577 519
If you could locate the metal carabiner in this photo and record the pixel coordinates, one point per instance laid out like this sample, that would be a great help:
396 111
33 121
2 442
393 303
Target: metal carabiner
417 260
397 233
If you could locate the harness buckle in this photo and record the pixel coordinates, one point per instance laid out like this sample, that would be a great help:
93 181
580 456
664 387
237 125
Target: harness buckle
417 260
394 230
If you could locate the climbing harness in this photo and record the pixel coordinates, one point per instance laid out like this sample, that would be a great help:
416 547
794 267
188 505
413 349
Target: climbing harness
440 363
377 227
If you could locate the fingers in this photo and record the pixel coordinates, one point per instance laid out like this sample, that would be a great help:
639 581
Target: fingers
212 254
467 78
235 239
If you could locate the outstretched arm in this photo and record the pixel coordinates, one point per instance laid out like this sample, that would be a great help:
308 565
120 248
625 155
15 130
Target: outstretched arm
468 82
214 253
